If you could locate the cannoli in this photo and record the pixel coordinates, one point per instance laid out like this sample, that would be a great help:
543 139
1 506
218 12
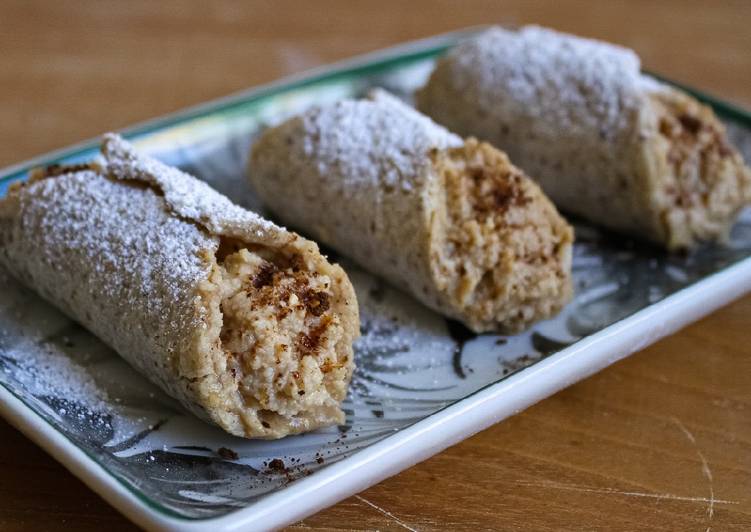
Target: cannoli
243 322
450 221
604 141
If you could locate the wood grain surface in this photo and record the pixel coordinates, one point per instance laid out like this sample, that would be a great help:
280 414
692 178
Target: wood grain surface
660 441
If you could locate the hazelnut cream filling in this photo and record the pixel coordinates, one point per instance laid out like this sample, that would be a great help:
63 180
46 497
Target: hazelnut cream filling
279 334
505 253
701 172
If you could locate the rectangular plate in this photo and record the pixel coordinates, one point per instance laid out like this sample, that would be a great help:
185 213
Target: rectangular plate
421 383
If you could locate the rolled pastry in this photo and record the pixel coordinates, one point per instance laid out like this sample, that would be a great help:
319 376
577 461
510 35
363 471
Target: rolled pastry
452 222
604 141
243 322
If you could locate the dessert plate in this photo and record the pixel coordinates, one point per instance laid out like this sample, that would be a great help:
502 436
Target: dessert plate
422 383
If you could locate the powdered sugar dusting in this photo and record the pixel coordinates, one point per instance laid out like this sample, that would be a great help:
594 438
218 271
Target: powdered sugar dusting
186 196
45 371
560 79
42 356
115 210
374 140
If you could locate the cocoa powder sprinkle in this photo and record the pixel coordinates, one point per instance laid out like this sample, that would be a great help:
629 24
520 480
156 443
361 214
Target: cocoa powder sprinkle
227 454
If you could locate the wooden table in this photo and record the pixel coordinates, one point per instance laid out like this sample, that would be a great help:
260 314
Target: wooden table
661 440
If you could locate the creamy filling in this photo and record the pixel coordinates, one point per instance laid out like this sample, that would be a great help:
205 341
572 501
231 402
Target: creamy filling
702 174
505 258
279 334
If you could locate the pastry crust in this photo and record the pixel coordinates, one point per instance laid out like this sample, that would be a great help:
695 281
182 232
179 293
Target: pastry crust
604 141
199 294
452 222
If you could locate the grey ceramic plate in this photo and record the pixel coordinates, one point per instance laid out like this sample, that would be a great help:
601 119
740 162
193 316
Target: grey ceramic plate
421 383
